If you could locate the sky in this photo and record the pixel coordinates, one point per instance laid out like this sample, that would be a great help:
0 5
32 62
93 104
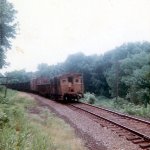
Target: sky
50 30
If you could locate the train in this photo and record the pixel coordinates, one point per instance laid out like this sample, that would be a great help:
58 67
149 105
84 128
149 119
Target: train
66 87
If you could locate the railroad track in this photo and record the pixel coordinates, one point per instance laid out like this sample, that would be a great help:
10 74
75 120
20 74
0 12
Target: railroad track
134 129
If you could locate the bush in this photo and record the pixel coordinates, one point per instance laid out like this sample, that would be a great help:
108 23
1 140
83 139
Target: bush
120 103
2 88
3 119
4 100
89 98
137 110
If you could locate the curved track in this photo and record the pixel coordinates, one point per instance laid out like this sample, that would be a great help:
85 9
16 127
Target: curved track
134 129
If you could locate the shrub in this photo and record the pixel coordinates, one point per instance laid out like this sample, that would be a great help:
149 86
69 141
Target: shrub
90 98
120 103
3 119
4 100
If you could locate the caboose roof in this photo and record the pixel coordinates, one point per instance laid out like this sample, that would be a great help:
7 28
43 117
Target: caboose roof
70 74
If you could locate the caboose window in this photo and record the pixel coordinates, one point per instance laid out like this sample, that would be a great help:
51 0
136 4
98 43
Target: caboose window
77 80
64 81
70 79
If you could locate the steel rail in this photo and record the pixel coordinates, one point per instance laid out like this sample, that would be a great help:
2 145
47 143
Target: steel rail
115 123
118 113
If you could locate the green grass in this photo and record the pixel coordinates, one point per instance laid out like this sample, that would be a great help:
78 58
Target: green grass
120 105
2 91
22 130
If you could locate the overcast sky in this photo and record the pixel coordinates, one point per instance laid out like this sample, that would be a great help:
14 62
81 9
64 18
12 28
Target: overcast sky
50 30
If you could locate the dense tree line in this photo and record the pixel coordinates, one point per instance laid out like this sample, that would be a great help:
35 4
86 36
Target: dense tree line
122 72
128 74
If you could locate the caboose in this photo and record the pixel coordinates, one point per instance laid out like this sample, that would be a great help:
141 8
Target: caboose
68 86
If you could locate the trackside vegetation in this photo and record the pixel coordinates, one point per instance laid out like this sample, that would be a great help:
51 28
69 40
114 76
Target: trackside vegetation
26 126
119 104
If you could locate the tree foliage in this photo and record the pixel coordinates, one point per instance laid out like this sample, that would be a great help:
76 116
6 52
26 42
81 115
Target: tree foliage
19 76
7 28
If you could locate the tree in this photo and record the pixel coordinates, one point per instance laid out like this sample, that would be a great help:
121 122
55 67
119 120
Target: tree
7 28
121 62
19 76
49 71
136 76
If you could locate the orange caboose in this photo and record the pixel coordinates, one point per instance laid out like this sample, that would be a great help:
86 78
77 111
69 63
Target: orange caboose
67 87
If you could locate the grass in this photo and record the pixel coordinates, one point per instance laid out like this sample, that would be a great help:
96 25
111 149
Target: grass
21 129
2 91
120 105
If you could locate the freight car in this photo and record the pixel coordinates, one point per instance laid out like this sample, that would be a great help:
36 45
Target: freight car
65 87
25 86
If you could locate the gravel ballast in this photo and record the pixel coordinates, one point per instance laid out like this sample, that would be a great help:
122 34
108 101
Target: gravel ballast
94 136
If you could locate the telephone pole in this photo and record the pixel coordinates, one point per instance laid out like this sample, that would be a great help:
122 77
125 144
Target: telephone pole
117 79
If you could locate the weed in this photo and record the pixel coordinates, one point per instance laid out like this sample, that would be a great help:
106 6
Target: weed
89 98
124 106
